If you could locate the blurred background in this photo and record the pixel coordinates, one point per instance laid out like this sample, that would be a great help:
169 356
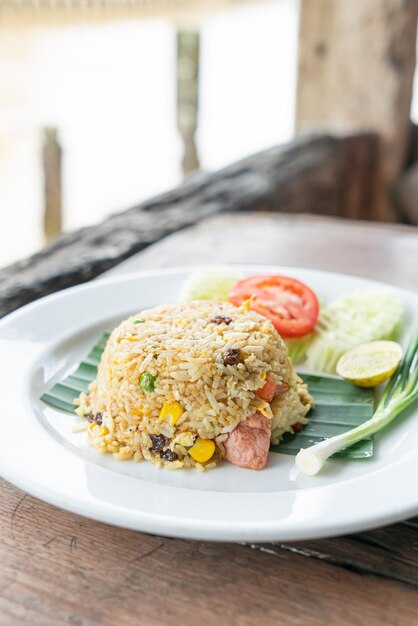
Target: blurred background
106 103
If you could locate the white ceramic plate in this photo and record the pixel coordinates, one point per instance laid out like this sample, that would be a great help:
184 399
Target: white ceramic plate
42 342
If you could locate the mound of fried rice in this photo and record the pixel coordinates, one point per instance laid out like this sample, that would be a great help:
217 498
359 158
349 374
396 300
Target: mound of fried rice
181 348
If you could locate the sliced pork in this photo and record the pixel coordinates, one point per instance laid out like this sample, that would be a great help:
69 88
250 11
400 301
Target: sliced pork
248 444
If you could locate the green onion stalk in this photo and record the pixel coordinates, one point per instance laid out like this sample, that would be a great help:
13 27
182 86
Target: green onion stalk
400 392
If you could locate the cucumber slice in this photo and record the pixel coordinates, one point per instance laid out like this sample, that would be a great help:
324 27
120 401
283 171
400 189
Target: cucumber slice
298 348
350 321
209 283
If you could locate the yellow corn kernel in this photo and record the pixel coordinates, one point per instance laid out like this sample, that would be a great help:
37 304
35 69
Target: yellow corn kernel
264 375
171 412
265 409
246 305
99 433
203 450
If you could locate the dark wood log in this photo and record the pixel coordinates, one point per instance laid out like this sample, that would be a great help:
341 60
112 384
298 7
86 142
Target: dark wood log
308 175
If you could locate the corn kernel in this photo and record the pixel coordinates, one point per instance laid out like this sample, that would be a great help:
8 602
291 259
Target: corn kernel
265 409
100 433
246 305
171 412
203 450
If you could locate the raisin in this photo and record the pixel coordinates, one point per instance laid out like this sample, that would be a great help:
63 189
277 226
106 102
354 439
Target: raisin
98 418
158 442
221 319
231 357
168 455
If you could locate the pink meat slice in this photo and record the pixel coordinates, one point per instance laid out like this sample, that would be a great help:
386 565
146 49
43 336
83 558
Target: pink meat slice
248 444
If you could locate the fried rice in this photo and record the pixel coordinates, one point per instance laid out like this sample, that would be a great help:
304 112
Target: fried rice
178 372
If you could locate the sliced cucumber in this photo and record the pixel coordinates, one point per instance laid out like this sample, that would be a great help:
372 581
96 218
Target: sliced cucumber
298 348
350 321
209 283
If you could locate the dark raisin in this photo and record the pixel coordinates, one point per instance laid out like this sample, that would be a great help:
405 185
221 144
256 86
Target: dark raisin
231 357
168 455
221 319
158 442
98 418
297 427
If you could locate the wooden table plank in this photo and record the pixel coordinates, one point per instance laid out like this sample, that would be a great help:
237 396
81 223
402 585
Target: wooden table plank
58 568
378 251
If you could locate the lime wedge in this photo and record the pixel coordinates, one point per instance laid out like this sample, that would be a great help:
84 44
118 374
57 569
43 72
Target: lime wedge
370 364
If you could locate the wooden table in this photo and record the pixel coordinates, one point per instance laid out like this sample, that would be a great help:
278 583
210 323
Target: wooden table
58 568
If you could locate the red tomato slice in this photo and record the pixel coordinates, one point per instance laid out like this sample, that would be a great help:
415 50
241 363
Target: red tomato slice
289 304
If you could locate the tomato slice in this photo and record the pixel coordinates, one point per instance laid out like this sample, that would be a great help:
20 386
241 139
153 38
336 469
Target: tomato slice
291 305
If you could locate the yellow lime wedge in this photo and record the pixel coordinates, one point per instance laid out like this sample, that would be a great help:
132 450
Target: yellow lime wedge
370 364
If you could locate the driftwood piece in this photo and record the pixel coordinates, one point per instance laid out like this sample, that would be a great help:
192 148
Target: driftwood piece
356 69
308 175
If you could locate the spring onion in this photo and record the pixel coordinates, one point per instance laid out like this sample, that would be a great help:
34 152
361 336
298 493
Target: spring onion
399 393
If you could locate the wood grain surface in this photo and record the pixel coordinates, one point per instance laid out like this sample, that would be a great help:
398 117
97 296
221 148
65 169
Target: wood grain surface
377 251
57 568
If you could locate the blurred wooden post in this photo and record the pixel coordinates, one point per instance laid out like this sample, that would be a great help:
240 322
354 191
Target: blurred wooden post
52 156
356 69
188 96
